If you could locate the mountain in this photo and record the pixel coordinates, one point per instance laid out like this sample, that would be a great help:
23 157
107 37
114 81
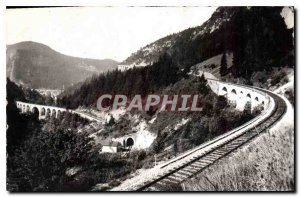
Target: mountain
170 44
230 29
38 66
255 39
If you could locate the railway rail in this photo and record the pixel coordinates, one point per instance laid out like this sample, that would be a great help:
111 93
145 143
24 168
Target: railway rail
198 163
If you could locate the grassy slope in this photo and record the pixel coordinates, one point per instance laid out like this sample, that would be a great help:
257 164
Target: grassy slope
266 165
215 60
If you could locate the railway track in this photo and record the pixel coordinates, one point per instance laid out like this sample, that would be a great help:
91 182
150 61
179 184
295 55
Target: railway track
178 175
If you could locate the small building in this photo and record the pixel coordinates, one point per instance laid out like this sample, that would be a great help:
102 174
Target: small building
124 67
109 146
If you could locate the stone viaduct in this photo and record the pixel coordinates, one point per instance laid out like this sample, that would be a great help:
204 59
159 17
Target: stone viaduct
43 111
239 95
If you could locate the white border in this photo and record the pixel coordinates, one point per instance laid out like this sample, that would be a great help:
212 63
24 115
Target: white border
3 191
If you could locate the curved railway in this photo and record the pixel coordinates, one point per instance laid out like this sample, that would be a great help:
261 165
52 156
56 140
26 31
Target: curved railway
198 163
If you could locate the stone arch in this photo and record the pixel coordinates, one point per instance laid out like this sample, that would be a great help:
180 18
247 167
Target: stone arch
27 108
35 112
63 113
248 100
54 112
48 112
241 92
43 112
256 99
129 142
224 91
233 98
59 114
263 102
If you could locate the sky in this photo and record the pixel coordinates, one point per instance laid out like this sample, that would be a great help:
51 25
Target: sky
100 32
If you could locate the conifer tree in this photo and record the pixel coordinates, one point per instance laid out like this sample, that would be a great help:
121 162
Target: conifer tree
223 66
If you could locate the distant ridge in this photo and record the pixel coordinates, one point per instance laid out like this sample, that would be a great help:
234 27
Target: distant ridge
38 66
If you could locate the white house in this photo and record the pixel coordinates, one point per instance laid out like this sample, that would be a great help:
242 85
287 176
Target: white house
124 67
109 146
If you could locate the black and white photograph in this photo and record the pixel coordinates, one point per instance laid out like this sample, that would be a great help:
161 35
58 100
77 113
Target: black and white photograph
150 98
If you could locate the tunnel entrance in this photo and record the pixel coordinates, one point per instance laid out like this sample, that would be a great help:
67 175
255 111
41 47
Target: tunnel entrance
129 142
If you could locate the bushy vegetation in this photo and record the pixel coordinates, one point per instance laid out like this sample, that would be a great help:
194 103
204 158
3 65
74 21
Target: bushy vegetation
53 155
270 79
290 95
19 93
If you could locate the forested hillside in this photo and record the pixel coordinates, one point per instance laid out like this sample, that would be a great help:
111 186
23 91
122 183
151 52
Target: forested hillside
140 80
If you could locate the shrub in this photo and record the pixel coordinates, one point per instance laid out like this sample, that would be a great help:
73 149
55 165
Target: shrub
278 78
114 183
290 96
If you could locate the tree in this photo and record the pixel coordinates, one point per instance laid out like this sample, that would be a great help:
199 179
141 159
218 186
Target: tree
223 66
220 104
175 147
157 146
52 124
203 89
247 108
111 121
49 100
158 143
199 131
